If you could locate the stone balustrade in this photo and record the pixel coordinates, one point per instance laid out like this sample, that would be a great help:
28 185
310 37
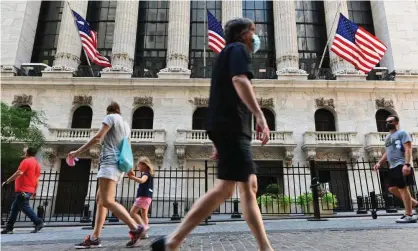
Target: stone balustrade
330 138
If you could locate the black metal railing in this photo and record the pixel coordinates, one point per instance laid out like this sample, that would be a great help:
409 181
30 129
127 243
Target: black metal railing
332 187
86 71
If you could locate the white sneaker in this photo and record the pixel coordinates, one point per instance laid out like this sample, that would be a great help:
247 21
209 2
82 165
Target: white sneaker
406 219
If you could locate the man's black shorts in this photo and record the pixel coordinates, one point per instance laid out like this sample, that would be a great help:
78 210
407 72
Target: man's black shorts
235 162
397 179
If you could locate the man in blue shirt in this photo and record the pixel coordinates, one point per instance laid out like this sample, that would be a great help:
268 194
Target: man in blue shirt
398 153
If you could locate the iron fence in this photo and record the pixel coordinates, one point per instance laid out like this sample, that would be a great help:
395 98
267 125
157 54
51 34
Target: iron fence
317 188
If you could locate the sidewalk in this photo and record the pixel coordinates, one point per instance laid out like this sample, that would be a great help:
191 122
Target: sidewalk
286 234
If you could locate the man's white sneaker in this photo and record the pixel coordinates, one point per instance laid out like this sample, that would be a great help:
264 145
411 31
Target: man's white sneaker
407 219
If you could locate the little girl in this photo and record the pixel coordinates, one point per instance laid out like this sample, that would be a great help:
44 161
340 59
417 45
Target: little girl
144 192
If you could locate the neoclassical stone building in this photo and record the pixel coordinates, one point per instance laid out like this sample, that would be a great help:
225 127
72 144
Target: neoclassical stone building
159 79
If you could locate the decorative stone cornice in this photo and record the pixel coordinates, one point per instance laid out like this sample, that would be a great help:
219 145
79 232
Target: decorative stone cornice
117 68
201 101
83 100
22 100
94 152
267 102
68 56
407 72
287 58
159 154
382 103
181 154
8 68
321 103
290 71
175 69
50 156
145 100
59 68
174 56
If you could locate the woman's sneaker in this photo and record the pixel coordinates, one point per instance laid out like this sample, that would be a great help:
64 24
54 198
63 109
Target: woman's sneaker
89 243
135 235
7 231
145 237
407 219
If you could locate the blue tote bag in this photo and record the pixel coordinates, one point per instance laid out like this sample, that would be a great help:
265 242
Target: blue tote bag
126 158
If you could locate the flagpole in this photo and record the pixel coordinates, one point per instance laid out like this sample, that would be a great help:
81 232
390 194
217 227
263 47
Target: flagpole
329 38
76 27
205 39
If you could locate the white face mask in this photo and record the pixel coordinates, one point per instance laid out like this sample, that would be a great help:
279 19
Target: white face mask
256 43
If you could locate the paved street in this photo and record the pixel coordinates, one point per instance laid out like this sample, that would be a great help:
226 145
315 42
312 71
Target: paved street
336 234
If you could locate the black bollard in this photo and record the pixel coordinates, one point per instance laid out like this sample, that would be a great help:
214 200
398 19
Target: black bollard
390 204
86 214
360 205
235 214
175 215
373 201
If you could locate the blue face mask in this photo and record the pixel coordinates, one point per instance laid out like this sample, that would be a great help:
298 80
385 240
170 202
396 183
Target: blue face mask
256 43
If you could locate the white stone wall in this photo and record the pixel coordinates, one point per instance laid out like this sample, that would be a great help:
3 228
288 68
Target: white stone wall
173 108
19 20
396 24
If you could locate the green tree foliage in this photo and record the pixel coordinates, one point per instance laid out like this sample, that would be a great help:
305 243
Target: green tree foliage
20 126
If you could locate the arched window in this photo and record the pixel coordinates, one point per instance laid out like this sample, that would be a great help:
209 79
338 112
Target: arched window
199 118
270 118
82 117
381 116
324 121
28 118
143 118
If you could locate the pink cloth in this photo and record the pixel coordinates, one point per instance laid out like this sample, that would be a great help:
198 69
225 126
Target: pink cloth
143 202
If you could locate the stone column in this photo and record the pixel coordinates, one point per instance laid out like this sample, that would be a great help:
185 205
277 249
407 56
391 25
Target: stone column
68 53
286 43
124 39
18 28
341 68
178 41
231 9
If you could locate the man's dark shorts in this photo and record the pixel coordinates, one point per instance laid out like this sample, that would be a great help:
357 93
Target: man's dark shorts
397 179
235 162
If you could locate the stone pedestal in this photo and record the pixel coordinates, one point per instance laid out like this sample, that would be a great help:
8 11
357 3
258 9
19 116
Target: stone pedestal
287 56
178 47
123 50
8 71
67 57
231 9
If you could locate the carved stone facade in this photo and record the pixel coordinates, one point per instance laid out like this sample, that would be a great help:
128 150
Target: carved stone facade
142 101
23 99
322 103
382 103
266 102
83 100
201 101
231 9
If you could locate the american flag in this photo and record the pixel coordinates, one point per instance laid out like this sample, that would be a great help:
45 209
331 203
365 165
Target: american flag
216 41
356 45
89 41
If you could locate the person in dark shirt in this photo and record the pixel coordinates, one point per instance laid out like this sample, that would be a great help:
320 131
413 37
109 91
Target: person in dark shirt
231 105
144 192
